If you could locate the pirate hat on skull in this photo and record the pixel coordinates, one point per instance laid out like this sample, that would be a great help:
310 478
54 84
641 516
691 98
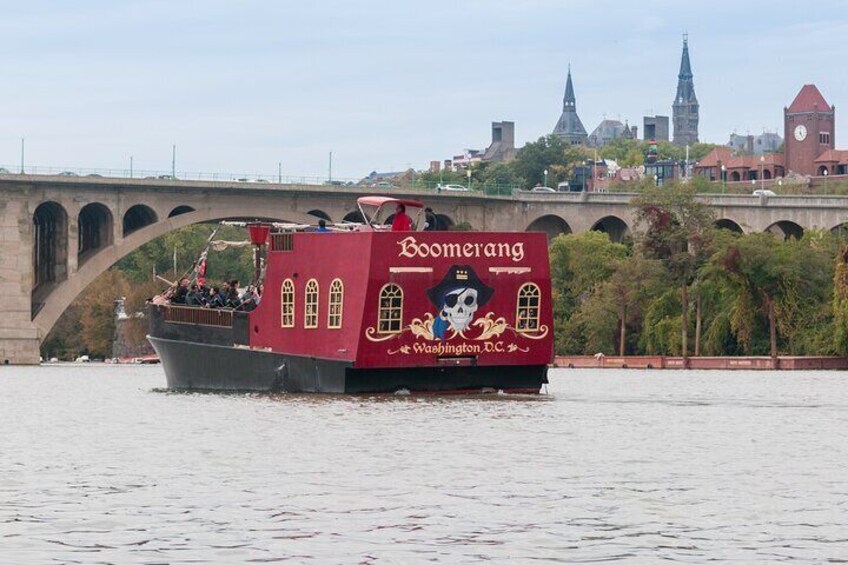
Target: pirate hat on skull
459 276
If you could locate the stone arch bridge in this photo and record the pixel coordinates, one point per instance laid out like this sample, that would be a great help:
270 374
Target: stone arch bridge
57 234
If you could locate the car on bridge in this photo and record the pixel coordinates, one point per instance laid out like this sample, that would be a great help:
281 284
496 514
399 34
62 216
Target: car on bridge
452 187
542 189
763 192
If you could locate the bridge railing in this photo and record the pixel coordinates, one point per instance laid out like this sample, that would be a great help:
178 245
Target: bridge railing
489 188
814 186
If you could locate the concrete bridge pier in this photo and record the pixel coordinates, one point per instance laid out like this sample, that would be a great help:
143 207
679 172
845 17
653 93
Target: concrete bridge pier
19 337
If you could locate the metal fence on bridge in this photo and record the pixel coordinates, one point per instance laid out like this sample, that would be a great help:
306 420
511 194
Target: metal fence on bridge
492 189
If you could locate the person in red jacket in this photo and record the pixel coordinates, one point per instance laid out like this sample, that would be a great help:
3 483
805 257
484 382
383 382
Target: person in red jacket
402 221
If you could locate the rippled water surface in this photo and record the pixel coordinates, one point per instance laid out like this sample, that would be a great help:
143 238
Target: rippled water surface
97 465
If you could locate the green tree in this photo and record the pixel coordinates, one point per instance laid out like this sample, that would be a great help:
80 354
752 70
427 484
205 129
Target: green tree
677 229
547 153
614 313
766 272
579 263
840 303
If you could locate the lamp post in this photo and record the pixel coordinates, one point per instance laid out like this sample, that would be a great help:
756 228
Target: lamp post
546 177
583 176
824 172
762 176
468 172
656 180
723 179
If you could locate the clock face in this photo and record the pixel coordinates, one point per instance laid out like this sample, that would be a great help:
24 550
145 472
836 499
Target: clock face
800 132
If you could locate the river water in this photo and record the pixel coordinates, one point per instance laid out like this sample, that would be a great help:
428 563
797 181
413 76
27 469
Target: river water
99 465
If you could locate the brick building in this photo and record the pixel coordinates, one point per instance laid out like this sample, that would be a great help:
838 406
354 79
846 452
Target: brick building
720 164
809 132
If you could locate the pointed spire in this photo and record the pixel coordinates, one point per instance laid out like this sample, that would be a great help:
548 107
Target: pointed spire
685 66
569 102
569 127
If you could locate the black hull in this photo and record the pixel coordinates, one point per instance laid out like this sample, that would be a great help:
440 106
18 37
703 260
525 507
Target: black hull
203 366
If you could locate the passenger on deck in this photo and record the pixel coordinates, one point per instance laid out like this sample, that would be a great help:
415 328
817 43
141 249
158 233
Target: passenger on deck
402 221
322 226
180 292
193 296
430 220
216 299
233 295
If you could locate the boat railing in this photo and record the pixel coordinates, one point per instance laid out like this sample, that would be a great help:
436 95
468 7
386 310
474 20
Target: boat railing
200 316
282 241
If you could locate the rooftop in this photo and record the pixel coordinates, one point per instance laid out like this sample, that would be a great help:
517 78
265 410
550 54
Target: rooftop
809 99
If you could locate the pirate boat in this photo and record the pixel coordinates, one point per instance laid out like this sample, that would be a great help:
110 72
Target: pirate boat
367 309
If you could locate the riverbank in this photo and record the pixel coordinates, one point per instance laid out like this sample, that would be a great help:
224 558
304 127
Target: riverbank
789 363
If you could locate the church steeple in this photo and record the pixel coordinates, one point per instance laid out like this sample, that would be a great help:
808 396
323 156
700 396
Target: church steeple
569 102
685 107
569 127
685 66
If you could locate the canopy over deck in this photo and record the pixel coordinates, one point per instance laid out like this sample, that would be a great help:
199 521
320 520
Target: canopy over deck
381 200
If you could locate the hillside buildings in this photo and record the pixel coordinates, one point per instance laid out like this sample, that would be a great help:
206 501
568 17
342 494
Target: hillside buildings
501 148
808 146
655 127
766 142
685 116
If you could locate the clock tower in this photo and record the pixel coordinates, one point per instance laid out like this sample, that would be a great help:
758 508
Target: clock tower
808 130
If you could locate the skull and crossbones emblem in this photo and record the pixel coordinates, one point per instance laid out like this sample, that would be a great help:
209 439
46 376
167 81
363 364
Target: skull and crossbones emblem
458 297
460 306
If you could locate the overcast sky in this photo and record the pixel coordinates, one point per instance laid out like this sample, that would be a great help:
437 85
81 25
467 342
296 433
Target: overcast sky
386 85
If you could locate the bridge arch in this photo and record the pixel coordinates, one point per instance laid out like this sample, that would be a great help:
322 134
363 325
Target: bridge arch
616 228
63 294
728 224
137 217
94 229
50 248
550 224
180 210
840 230
786 229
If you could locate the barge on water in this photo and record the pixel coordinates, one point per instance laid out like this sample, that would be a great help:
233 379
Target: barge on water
367 309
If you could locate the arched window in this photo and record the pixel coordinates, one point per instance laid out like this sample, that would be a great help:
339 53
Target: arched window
334 313
390 312
527 312
287 304
310 318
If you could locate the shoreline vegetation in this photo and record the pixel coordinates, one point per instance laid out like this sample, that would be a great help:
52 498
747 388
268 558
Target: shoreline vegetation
681 286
